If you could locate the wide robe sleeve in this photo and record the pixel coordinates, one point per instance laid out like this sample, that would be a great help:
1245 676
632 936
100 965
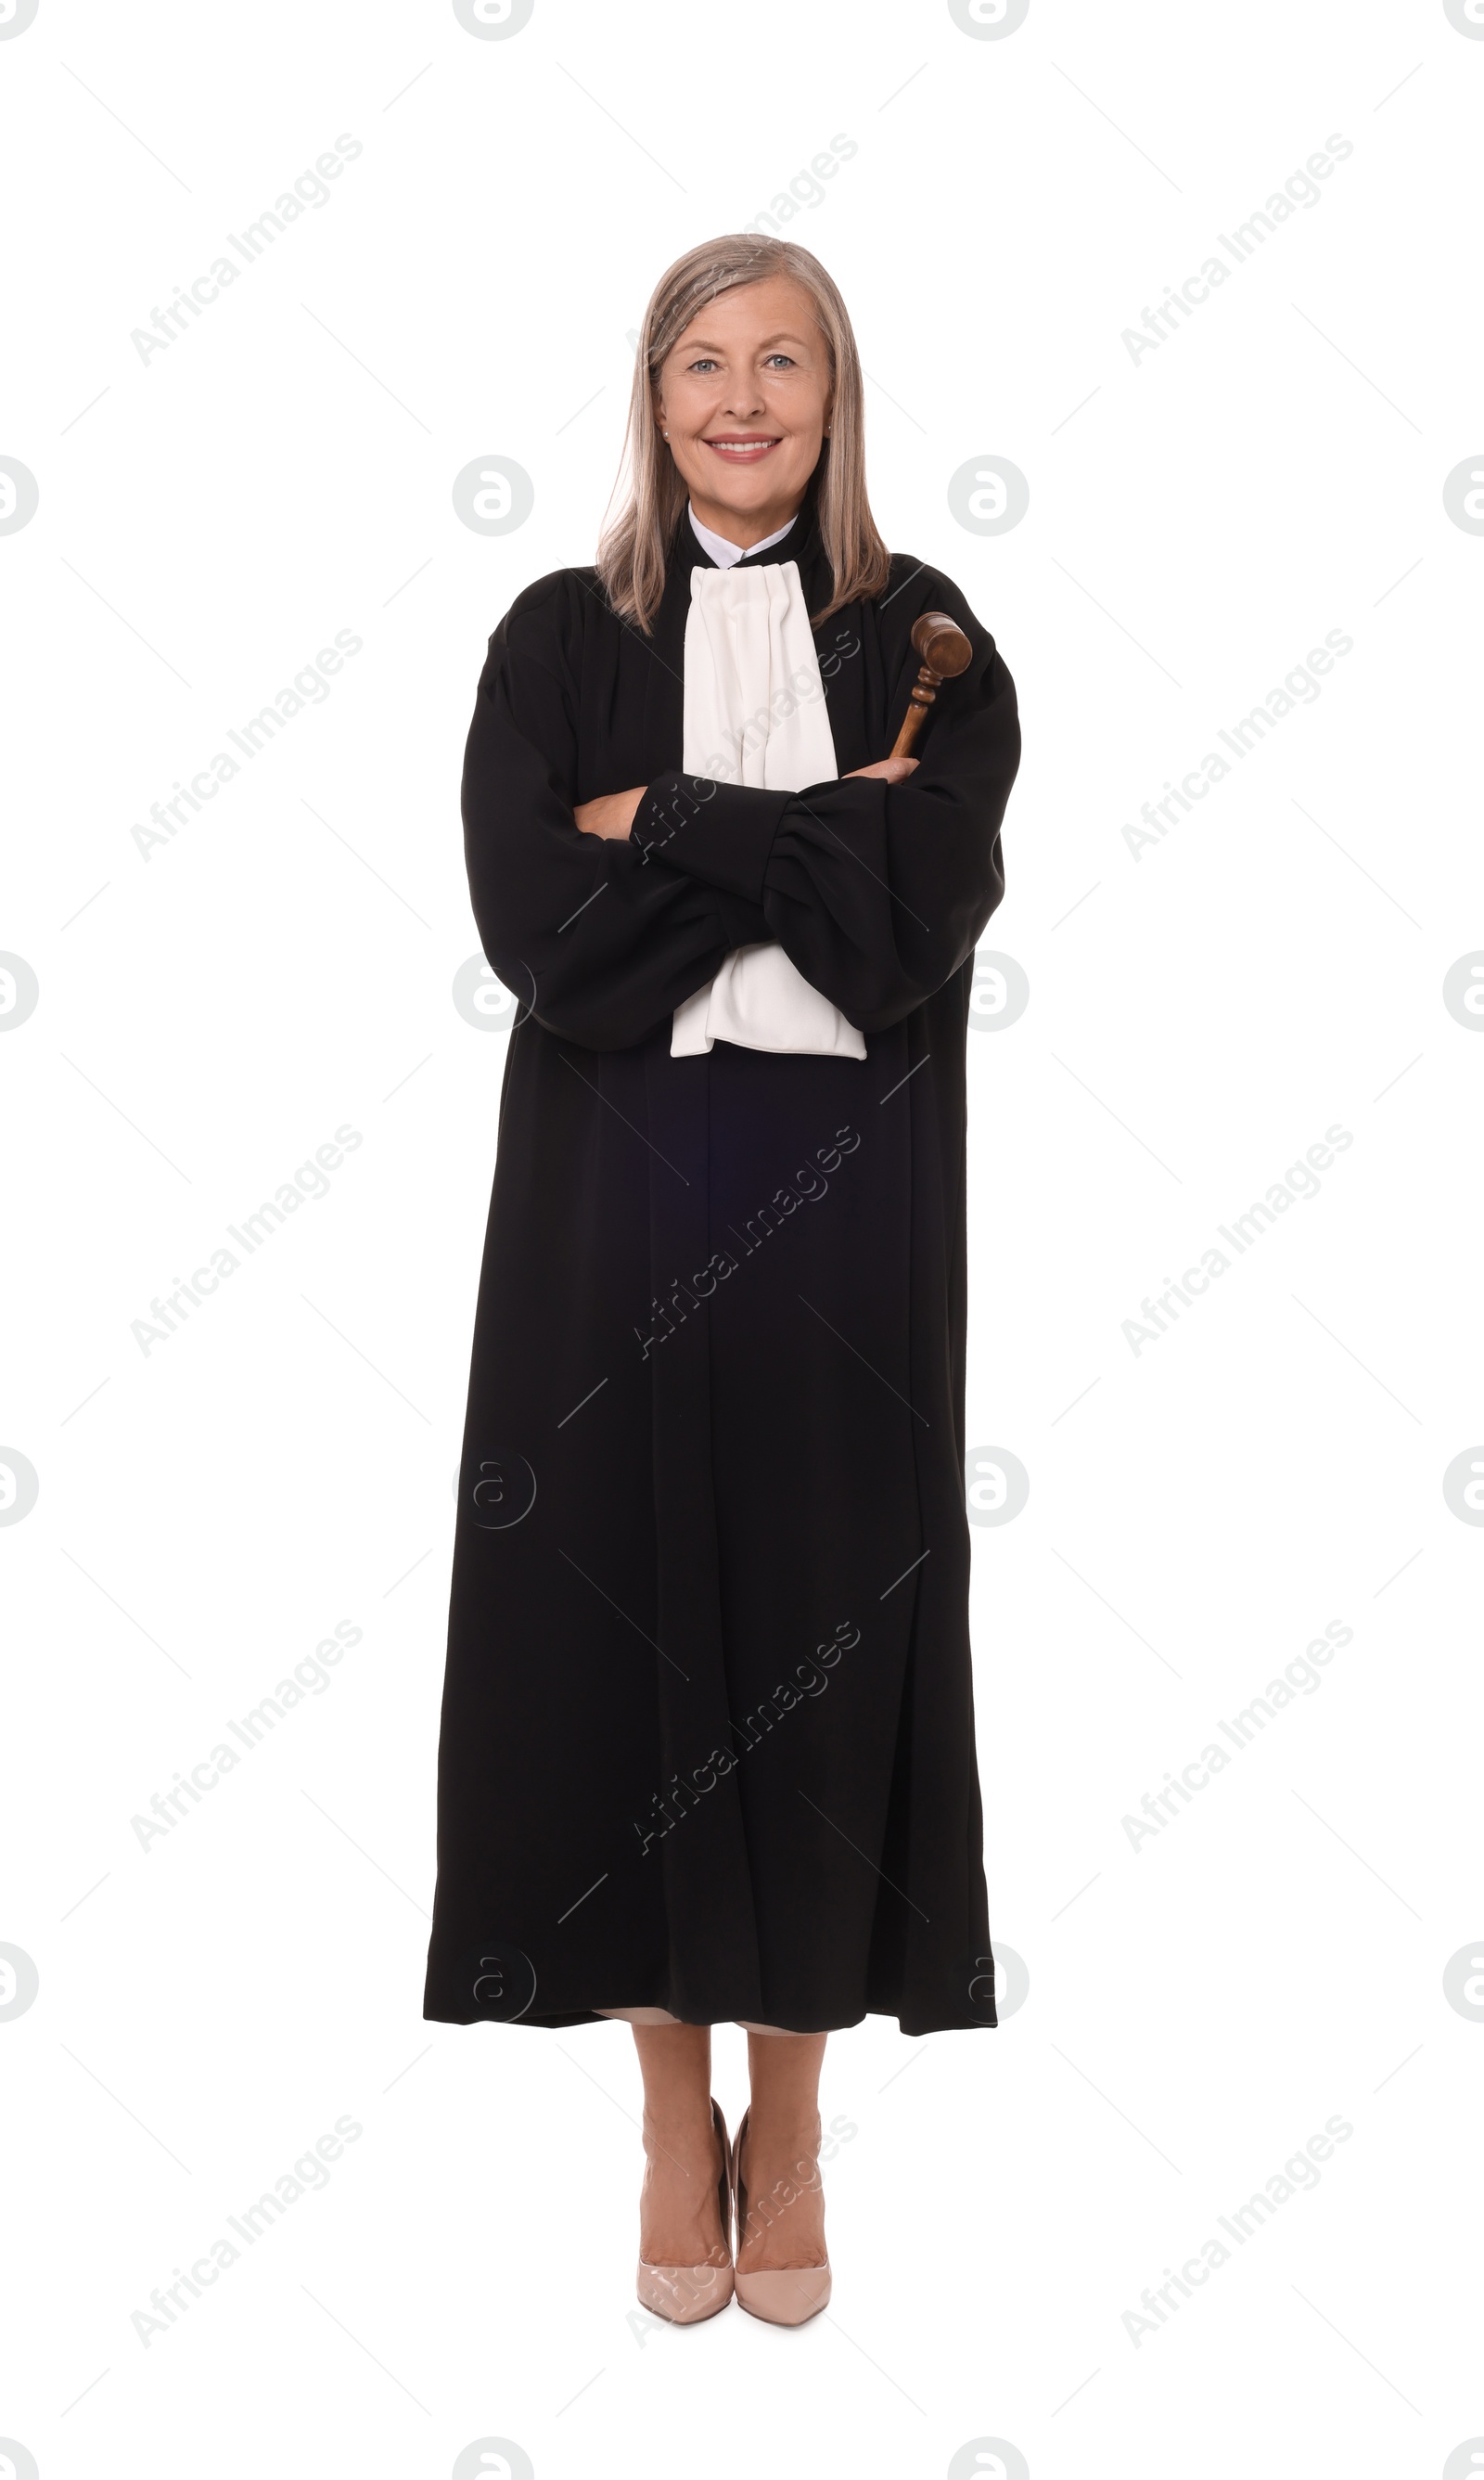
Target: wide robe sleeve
877 892
594 944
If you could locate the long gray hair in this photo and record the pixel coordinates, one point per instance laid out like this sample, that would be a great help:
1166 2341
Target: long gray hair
651 493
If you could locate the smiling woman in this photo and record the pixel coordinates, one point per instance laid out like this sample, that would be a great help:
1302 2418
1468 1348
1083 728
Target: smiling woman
749 481
742 940
733 320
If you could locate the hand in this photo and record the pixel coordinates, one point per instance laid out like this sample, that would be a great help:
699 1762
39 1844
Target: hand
891 771
611 815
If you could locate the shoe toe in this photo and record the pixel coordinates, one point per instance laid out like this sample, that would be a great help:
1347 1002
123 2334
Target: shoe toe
685 2293
787 2297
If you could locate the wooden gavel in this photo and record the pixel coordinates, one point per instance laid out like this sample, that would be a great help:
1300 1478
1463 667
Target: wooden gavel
946 652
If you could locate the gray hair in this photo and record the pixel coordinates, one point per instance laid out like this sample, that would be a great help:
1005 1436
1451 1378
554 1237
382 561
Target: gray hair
652 495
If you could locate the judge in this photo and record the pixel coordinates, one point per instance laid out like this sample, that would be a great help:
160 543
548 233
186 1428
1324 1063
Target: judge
707 1744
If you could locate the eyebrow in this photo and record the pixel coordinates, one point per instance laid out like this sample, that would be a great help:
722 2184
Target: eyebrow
784 336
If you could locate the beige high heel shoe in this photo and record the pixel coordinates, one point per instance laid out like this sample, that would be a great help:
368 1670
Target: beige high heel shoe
789 2296
688 2294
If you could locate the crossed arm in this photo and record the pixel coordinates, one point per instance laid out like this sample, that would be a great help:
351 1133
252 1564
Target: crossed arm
612 813
876 885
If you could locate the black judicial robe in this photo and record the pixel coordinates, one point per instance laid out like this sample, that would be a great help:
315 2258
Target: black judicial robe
707 1735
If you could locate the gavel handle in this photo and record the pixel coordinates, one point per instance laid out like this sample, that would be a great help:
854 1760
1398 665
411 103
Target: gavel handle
924 689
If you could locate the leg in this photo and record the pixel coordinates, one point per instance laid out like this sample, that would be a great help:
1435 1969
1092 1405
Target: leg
678 2215
785 2205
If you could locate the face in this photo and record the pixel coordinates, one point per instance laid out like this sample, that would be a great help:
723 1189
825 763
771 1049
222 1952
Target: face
744 396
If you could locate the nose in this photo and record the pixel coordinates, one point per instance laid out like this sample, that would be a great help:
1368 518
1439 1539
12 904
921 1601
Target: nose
747 403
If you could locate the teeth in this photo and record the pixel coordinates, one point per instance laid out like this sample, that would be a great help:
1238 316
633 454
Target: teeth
740 448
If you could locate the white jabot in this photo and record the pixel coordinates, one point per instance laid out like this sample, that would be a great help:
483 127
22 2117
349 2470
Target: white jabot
755 713
728 554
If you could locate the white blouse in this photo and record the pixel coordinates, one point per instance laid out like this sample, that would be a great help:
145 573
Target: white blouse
755 712
728 554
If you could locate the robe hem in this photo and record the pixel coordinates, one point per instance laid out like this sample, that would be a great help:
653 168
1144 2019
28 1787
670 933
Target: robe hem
561 2023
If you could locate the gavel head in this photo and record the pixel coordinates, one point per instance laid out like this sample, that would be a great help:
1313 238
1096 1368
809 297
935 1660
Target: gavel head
941 644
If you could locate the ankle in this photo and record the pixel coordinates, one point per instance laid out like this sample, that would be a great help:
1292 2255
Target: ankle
795 2134
677 2122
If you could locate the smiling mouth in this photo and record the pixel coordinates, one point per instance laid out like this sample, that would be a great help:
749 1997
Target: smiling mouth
740 450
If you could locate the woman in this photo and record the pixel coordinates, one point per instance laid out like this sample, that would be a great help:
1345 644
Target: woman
707 1746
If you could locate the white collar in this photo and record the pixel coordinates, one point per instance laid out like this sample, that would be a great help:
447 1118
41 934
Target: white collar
726 554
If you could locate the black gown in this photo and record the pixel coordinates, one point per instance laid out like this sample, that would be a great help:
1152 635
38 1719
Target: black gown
707 1735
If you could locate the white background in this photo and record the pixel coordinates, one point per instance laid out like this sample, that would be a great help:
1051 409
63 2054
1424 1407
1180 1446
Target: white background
1274 1957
